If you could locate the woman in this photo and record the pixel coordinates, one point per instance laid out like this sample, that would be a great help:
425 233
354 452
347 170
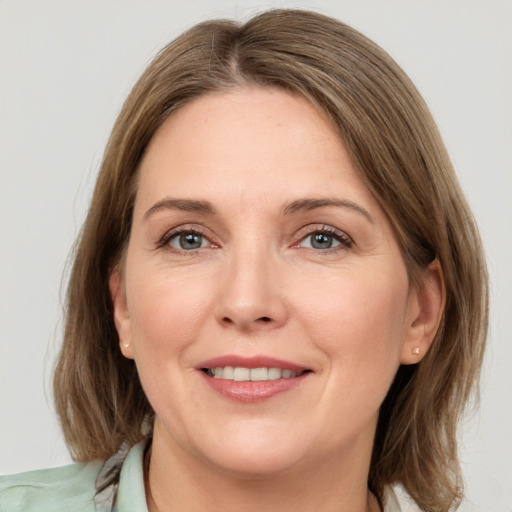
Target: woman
279 297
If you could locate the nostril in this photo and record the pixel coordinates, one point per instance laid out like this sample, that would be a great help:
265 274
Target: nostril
242 322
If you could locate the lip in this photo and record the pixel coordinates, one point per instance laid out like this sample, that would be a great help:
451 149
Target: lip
251 362
252 391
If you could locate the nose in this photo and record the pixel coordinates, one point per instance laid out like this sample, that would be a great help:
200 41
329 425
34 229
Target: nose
251 297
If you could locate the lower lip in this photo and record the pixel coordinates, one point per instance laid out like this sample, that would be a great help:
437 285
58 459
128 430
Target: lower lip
253 391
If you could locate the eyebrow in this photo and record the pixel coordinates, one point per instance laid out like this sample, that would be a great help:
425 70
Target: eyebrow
299 205
185 205
308 204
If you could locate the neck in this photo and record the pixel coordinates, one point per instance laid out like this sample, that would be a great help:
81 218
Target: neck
176 480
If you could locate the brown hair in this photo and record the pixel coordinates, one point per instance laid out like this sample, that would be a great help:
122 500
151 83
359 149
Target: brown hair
394 144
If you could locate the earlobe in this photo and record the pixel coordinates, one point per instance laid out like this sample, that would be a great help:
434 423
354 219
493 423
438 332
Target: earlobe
426 311
121 315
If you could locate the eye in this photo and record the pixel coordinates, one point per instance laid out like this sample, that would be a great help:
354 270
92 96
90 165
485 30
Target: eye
187 241
324 239
321 241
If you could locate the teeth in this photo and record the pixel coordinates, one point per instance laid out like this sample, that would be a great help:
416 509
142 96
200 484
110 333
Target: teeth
240 374
259 374
228 373
274 373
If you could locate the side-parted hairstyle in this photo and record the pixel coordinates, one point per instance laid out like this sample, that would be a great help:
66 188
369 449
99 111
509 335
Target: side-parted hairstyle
396 148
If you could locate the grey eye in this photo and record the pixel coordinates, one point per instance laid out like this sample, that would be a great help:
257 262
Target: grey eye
188 241
320 241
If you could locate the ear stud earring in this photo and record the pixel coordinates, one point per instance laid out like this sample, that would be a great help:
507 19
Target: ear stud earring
416 351
126 345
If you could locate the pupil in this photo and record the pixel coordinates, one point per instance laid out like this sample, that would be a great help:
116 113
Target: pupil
321 241
190 241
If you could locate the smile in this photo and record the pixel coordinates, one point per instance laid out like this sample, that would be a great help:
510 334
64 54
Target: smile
252 379
242 374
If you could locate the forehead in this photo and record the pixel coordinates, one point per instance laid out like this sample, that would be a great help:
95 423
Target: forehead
253 144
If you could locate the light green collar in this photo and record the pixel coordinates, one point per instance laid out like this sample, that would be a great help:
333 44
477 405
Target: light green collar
131 495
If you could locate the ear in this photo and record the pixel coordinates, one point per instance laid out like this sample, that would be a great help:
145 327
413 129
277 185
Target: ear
121 315
426 306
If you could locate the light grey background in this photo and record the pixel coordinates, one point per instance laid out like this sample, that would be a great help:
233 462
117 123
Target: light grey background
65 68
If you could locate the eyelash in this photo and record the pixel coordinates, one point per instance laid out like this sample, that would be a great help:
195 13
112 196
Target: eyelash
341 237
175 232
344 240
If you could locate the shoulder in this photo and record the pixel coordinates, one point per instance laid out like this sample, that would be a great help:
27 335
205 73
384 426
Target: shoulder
114 484
56 490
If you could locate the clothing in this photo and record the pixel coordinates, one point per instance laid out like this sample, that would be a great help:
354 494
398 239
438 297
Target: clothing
116 485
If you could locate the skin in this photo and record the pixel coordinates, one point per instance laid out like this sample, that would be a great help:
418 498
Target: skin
257 286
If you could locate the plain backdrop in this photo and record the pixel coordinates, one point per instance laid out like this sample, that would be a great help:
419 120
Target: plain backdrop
66 67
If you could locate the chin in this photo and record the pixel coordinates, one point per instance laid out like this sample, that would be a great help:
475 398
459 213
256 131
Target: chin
256 465
255 453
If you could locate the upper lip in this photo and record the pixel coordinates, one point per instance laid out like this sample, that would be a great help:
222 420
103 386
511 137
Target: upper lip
250 362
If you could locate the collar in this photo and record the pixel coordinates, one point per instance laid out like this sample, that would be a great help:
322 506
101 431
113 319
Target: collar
120 482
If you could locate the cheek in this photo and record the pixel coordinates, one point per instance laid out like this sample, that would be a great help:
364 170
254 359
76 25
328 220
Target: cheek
165 313
358 321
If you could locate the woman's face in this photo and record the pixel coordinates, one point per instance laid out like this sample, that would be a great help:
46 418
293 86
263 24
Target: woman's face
256 252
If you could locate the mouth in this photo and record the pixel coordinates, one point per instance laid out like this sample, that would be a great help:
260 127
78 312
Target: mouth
252 379
243 374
